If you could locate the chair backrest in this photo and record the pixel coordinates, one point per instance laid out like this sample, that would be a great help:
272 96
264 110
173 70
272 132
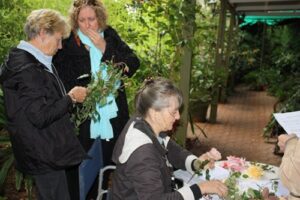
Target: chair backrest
89 169
102 191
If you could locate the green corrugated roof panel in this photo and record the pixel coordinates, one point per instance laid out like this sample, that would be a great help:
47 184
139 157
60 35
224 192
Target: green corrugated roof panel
270 20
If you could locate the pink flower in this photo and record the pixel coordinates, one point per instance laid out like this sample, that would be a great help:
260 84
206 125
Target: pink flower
234 163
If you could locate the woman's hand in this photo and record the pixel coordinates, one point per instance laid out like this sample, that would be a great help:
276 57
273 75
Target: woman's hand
213 187
266 195
78 94
282 139
97 39
212 156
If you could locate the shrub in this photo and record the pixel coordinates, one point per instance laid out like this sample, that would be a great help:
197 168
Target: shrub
12 16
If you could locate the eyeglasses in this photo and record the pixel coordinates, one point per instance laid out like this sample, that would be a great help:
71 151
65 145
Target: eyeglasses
173 113
79 3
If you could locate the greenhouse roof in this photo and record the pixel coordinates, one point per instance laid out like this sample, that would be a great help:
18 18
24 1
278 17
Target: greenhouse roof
268 11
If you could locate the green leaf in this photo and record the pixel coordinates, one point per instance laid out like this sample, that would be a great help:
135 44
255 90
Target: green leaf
207 175
245 176
99 89
5 168
19 178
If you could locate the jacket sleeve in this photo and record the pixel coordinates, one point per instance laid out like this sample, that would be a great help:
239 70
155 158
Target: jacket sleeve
143 172
179 157
118 51
290 166
41 107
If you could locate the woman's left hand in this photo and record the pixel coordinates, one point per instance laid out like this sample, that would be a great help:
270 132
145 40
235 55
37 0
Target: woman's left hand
97 39
282 140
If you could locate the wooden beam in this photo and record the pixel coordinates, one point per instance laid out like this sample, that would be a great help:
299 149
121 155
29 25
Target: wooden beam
230 36
296 14
185 74
260 1
218 60
231 8
268 7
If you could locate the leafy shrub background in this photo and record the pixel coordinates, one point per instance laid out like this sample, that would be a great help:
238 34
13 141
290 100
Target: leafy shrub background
271 61
12 16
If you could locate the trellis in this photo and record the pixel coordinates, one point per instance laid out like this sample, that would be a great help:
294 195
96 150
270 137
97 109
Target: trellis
251 11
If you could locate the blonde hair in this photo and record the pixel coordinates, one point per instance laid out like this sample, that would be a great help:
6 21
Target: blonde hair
96 5
48 20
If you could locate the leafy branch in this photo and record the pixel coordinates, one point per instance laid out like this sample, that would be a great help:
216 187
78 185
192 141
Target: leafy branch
264 167
98 90
251 194
199 166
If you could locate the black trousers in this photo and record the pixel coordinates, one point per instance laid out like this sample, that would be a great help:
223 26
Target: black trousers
52 186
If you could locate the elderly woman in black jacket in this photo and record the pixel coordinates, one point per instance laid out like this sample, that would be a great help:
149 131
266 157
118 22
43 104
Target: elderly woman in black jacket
145 155
37 107
92 41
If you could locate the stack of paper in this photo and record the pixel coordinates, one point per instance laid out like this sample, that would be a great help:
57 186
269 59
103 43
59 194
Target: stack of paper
289 121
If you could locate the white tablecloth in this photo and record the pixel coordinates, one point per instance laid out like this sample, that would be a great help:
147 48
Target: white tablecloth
220 173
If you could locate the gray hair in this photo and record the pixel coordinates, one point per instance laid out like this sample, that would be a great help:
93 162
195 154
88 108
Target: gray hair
45 19
155 94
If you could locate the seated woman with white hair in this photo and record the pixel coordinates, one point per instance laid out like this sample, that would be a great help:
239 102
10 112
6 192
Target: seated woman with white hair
145 155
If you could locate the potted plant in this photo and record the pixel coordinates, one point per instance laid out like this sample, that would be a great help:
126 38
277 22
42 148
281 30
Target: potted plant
202 81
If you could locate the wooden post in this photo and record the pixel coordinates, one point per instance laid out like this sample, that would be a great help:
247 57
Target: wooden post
262 52
218 61
185 72
227 56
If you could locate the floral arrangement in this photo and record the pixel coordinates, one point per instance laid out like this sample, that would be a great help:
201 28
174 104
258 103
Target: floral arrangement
98 89
239 168
235 164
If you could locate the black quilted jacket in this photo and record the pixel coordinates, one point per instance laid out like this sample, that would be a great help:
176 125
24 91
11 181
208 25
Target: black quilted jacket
37 109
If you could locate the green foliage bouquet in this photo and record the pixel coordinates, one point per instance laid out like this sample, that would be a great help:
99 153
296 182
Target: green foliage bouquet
98 90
